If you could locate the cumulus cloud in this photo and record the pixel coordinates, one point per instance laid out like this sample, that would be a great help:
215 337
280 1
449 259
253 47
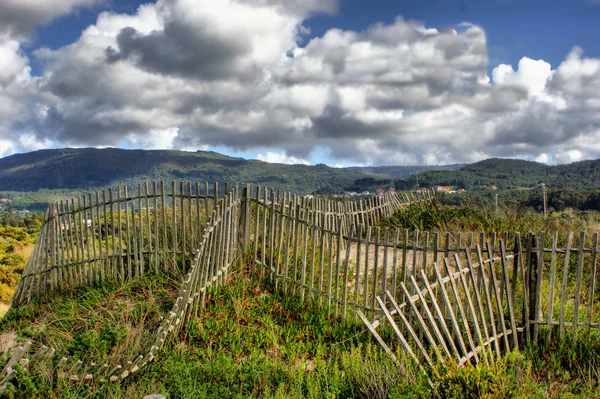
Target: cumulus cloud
188 74
274 157
20 17
29 142
12 61
6 147
155 139
531 74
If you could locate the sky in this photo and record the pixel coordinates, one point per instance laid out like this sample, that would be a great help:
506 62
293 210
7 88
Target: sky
341 82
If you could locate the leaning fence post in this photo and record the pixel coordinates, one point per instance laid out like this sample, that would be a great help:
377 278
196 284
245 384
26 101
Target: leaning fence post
244 221
533 268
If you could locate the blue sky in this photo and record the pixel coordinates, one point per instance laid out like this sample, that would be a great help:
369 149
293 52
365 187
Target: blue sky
378 82
540 29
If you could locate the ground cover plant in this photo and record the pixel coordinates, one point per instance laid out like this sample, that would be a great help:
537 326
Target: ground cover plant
476 216
251 340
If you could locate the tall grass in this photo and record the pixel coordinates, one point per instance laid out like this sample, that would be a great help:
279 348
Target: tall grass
432 216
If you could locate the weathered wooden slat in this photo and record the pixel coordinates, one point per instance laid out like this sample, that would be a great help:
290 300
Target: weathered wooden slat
106 264
496 293
506 280
488 300
552 288
151 259
592 287
113 260
432 320
141 231
440 314
128 231
156 232
346 270
563 290
174 223
577 299
119 216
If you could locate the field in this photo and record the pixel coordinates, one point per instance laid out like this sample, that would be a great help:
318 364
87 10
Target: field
253 342
250 340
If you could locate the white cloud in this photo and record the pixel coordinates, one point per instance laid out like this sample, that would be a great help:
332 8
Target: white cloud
570 156
6 148
155 139
21 17
12 61
187 74
543 158
530 74
273 157
29 142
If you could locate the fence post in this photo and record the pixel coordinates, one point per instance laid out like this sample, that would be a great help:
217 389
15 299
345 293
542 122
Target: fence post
533 267
244 221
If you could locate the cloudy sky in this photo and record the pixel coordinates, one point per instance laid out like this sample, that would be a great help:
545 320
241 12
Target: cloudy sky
343 82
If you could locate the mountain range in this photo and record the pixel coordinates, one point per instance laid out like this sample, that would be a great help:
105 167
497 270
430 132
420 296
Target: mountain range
91 168
83 168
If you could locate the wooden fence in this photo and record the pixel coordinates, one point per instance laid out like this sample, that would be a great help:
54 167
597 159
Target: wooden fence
463 295
119 236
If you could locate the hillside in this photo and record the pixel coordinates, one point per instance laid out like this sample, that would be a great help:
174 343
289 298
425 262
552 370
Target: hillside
73 169
509 173
397 171
35 179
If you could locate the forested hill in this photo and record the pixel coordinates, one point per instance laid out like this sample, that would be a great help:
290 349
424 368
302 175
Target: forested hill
509 173
399 171
89 168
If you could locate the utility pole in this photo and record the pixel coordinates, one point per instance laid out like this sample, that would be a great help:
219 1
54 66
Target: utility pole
545 200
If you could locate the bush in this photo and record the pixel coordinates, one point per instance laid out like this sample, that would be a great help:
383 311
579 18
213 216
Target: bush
509 377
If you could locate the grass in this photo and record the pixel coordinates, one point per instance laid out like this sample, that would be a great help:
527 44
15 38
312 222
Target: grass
432 216
111 323
252 341
248 342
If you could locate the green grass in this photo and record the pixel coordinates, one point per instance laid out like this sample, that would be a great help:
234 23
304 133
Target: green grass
252 341
112 323
433 216
248 342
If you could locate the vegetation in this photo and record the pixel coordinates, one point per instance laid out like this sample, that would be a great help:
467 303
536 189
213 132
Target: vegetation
250 341
434 216
17 238
401 171
517 184
34 180
507 174
90 168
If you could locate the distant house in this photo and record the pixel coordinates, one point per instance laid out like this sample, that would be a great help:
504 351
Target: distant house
443 189
462 190
493 187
